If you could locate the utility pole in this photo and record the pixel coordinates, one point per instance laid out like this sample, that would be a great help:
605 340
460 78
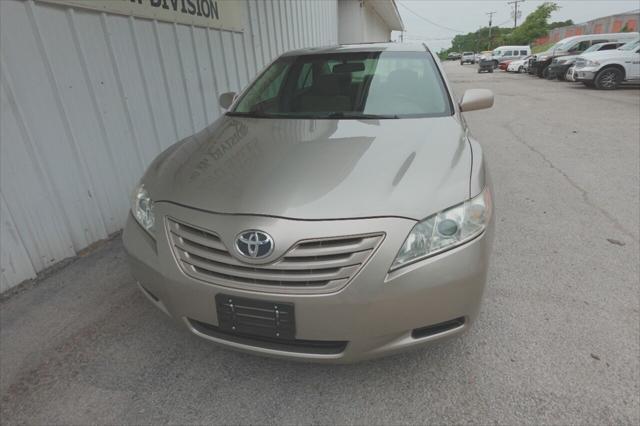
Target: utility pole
490 24
515 11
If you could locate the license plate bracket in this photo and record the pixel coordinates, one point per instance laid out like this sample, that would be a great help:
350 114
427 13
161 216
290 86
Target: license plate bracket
254 317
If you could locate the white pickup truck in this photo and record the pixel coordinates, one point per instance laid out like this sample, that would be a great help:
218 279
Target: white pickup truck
607 69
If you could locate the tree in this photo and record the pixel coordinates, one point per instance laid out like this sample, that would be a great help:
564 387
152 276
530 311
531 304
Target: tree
554 25
536 25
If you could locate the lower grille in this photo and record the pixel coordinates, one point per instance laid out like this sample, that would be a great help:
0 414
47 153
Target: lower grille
316 265
319 347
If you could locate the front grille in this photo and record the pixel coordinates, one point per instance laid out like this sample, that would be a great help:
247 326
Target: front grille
318 265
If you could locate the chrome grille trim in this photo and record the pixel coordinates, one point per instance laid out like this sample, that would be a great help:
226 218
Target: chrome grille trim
309 266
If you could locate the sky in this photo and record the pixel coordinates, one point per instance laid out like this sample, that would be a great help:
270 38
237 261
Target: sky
464 16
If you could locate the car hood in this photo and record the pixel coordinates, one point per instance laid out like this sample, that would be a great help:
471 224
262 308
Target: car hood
568 58
603 54
317 169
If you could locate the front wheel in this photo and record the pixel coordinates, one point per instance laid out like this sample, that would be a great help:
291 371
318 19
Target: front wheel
608 79
491 70
521 69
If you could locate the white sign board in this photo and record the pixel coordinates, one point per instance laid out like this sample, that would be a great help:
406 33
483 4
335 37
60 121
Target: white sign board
221 14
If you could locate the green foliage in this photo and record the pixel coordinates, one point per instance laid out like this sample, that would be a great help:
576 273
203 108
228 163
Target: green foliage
542 47
625 29
536 25
477 41
559 24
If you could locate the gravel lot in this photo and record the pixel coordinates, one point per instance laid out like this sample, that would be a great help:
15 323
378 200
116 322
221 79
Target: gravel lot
557 341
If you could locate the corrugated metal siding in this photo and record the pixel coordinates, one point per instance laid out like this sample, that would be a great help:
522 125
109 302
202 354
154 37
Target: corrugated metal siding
88 99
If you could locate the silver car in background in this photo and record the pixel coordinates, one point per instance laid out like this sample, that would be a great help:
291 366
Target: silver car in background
340 210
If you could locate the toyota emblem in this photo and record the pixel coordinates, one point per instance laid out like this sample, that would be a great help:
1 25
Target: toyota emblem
254 244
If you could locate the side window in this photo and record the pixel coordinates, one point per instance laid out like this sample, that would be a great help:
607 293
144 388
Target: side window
580 47
523 53
609 47
508 53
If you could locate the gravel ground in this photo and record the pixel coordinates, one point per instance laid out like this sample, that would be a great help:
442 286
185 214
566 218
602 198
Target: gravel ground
557 341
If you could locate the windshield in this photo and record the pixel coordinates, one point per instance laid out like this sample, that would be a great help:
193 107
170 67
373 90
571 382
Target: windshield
594 48
348 85
558 45
468 53
496 53
630 46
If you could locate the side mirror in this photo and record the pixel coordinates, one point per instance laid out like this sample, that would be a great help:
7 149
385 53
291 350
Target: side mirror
226 99
475 99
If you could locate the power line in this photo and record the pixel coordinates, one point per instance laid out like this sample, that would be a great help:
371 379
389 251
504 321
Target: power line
431 22
515 11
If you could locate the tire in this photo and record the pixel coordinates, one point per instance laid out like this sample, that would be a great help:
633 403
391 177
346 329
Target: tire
566 76
495 64
608 79
521 69
491 70
545 73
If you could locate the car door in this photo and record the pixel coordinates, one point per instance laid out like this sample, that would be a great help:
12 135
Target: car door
632 64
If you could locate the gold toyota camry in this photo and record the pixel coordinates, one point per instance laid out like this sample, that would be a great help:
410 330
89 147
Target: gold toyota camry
338 211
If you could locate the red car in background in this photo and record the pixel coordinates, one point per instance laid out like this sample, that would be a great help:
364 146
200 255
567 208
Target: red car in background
503 65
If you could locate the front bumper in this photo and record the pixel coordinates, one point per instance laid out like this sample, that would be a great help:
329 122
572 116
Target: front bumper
558 70
584 74
374 314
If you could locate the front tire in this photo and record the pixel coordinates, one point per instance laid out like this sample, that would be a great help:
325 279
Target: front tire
521 69
608 79
545 73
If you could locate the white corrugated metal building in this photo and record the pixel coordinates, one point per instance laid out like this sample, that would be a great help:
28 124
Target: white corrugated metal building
91 91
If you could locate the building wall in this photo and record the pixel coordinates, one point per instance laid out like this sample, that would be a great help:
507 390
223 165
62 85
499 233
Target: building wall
87 99
604 25
359 23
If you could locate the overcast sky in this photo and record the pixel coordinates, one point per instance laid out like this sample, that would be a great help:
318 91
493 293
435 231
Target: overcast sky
469 15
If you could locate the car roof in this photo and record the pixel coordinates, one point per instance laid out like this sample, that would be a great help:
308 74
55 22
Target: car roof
613 36
363 47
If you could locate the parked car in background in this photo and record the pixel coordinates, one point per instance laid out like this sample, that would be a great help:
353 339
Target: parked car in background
606 70
509 53
573 46
468 57
485 64
520 65
503 65
454 56
559 66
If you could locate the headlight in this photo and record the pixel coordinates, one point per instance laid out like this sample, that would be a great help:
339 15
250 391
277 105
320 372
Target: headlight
445 230
542 58
591 63
142 208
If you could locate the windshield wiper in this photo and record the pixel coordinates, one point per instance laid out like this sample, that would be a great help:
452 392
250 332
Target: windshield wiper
252 114
361 116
